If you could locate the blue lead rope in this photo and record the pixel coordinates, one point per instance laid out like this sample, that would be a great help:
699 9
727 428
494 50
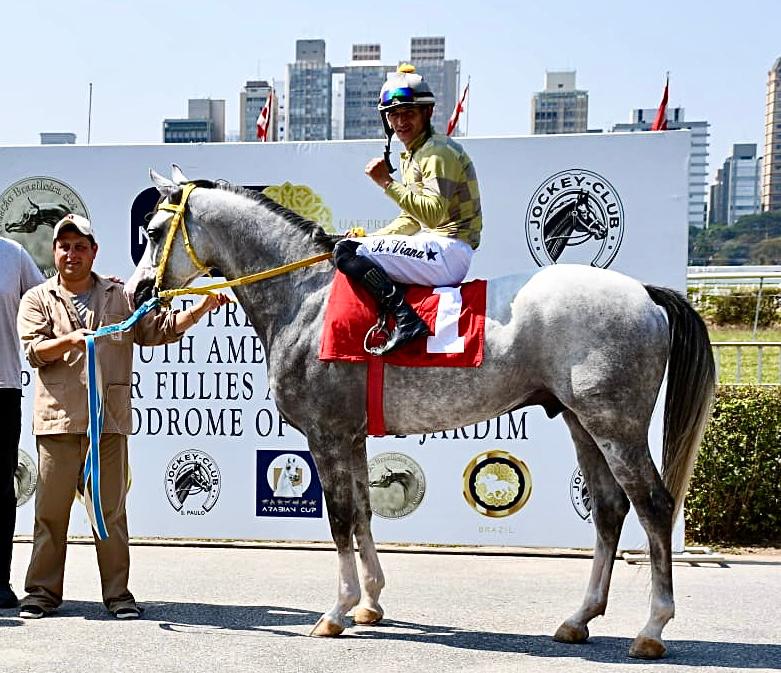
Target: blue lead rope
95 405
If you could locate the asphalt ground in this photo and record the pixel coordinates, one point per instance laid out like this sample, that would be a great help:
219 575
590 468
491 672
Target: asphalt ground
250 609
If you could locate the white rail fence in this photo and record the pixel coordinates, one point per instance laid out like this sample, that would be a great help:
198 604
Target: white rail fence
743 362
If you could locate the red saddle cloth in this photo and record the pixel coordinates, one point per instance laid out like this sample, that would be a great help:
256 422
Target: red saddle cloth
455 317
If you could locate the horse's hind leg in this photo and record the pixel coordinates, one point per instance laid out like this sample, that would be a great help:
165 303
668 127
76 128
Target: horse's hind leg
368 610
630 462
609 508
335 469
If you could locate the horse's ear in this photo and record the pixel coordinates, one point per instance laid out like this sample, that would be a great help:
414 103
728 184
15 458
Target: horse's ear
177 176
164 185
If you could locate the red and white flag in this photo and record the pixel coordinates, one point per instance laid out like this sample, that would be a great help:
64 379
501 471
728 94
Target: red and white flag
457 110
660 121
264 118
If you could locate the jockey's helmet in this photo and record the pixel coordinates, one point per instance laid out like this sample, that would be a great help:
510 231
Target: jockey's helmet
404 87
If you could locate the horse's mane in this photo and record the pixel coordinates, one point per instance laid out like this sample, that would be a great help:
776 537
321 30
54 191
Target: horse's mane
311 229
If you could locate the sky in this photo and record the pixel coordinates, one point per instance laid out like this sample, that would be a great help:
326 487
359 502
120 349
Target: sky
146 58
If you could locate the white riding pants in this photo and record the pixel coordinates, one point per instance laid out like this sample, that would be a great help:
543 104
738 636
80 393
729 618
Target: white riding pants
421 259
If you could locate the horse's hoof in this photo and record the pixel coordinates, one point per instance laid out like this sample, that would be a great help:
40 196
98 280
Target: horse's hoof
567 633
325 628
647 648
367 616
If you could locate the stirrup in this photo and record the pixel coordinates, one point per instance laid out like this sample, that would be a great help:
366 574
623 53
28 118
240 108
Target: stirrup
379 329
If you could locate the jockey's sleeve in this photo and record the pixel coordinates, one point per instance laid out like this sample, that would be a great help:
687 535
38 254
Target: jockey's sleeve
404 225
423 199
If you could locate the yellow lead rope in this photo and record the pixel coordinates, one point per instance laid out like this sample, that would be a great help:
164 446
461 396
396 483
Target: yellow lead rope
245 280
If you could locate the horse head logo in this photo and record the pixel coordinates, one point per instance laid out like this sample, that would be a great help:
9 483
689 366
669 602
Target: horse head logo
574 222
192 480
35 215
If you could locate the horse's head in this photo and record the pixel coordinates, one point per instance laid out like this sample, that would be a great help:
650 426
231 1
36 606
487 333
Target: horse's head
168 263
384 480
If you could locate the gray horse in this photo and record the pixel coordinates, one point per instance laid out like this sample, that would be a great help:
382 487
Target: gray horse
583 342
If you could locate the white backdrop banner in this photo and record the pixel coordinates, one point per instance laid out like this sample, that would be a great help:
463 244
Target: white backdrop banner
210 455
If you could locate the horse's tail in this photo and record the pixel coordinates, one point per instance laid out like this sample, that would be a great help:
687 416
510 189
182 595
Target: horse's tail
691 379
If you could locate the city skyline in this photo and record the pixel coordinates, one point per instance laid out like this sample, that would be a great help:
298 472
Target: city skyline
161 60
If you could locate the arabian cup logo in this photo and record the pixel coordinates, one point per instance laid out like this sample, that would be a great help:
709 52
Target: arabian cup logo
575 217
30 208
578 493
25 478
192 482
288 485
497 484
396 485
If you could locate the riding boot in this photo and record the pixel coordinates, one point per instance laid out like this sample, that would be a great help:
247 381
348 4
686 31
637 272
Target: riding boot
390 297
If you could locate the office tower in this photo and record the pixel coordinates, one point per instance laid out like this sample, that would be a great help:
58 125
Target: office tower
308 93
771 161
561 107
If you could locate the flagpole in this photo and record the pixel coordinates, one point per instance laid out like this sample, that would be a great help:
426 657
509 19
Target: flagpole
468 102
89 115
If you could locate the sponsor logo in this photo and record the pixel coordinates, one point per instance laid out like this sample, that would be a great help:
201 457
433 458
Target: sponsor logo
30 208
192 482
576 217
578 493
497 484
25 478
396 485
288 485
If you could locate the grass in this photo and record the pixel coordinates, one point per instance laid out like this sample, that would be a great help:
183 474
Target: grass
728 360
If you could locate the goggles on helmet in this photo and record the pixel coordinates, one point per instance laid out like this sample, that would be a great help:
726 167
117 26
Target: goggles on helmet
402 94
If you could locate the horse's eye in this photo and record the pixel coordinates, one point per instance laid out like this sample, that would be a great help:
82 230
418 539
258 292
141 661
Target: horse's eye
153 235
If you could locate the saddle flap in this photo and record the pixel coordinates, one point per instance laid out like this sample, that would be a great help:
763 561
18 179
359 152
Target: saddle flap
455 316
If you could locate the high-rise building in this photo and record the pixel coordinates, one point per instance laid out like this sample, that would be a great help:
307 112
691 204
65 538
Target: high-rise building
252 99
561 107
308 93
58 138
698 157
736 192
362 81
205 123
771 162
427 54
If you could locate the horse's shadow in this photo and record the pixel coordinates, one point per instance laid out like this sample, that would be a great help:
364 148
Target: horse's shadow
294 622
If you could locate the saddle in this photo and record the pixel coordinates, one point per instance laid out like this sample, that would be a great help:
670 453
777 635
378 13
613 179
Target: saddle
454 315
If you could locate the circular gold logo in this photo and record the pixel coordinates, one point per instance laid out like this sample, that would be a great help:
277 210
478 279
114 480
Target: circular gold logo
396 485
30 208
25 478
497 484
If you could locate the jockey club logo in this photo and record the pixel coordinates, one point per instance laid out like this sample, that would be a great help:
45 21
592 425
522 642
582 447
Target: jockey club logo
288 485
577 217
192 478
578 493
25 478
497 484
30 208
396 485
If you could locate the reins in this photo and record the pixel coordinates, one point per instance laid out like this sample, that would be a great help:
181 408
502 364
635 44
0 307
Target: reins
177 221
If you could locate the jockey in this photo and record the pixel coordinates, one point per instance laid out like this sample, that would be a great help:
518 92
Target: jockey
432 240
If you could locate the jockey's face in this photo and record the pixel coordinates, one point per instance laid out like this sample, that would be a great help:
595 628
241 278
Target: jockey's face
409 121
74 255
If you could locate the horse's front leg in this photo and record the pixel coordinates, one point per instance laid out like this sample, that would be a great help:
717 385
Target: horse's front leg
369 610
334 464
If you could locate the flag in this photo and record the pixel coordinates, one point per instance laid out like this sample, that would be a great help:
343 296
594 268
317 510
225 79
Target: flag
265 117
660 122
457 110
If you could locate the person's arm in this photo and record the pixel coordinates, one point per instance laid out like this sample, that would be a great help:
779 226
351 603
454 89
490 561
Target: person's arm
30 275
41 346
51 350
404 225
186 319
425 203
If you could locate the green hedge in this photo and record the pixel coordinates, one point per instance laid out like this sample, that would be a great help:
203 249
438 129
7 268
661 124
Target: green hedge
738 307
735 493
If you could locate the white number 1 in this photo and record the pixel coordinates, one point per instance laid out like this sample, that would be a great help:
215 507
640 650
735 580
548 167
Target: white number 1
446 339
